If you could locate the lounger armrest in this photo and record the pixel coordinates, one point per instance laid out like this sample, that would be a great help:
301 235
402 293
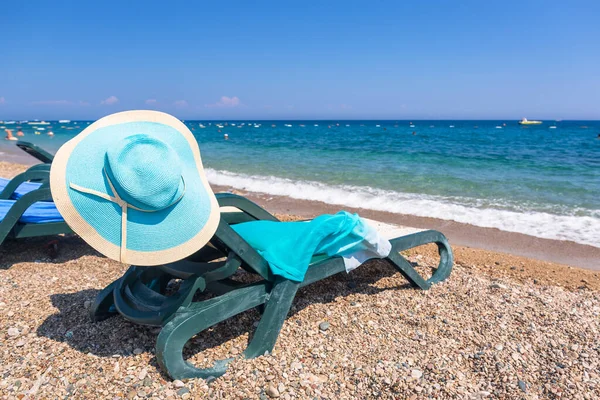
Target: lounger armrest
40 167
35 151
29 175
20 206
244 205
225 235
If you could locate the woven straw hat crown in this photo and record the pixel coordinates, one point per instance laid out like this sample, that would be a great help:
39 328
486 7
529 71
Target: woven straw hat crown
145 171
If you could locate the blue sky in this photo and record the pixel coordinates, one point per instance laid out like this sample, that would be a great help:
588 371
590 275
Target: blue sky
301 59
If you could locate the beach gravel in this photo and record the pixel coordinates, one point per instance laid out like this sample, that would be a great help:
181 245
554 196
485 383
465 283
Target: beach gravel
473 336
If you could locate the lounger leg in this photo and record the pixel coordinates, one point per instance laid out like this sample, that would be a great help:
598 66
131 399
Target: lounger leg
274 315
104 304
407 270
417 239
189 321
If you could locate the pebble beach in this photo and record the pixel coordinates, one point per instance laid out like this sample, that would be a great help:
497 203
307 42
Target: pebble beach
501 327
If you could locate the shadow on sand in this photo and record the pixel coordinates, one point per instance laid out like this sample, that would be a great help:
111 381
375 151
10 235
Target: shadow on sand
117 336
46 249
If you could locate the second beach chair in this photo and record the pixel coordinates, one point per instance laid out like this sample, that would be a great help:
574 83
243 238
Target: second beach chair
132 185
26 207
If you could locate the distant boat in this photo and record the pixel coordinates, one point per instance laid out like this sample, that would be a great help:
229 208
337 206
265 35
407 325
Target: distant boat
377 126
64 121
498 127
552 127
451 126
412 126
316 124
39 123
524 121
288 125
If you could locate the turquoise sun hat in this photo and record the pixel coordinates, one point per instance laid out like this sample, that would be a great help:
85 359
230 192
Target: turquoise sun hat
132 186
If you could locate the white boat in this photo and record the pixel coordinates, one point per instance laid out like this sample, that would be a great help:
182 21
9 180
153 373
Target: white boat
64 121
316 124
288 125
552 127
39 123
412 126
41 129
451 126
377 126
498 127
524 121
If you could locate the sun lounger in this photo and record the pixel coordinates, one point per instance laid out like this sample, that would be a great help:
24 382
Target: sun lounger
35 151
33 214
140 296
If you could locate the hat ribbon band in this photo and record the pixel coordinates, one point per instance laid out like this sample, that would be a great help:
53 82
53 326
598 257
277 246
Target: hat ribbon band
124 206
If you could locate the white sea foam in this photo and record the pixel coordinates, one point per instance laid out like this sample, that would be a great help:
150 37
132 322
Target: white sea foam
581 229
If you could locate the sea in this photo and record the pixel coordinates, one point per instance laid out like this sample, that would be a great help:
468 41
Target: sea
540 180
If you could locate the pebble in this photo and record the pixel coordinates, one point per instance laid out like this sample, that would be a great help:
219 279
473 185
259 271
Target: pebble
499 347
272 391
131 393
178 384
296 365
13 332
143 374
20 343
183 391
523 386
497 285
137 351
324 326
416 374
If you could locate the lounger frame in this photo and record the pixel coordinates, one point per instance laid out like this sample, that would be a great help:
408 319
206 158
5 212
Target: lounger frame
139 295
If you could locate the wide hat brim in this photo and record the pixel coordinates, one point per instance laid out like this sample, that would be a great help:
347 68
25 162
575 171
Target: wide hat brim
152 238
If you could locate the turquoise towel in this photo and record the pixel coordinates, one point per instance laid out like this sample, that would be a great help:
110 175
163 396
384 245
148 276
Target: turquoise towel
289 246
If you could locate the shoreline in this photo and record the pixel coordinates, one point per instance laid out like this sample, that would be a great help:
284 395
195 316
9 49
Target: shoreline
459 234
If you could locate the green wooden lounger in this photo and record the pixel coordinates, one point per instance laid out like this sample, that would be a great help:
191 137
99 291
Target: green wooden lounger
139 295
35 151
33 213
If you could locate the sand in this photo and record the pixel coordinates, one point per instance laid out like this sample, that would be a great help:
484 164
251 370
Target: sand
502 326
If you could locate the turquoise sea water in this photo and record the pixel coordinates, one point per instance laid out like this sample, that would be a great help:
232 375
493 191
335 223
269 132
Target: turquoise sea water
540 180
